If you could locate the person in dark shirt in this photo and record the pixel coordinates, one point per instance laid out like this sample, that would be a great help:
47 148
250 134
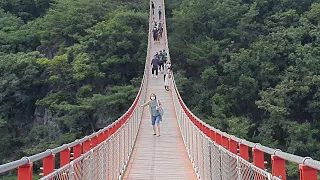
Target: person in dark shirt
155 34
161 31
161 62
152 6
155 65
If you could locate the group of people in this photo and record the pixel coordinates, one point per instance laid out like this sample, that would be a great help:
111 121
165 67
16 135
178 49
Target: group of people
160 64
157 26
157 31
159 10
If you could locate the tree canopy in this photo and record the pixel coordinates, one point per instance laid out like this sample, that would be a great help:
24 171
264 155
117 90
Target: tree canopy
67 68
251 68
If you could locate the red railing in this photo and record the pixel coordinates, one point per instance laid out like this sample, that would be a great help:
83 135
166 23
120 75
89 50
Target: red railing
307 166
78 147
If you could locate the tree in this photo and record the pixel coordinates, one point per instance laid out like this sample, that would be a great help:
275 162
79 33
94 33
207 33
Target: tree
251 68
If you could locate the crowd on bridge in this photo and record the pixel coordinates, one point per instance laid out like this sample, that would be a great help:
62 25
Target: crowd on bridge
160 64
157 25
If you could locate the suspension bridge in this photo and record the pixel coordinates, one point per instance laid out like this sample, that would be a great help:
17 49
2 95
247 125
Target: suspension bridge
188 148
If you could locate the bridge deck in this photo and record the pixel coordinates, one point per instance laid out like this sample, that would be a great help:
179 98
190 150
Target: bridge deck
163 157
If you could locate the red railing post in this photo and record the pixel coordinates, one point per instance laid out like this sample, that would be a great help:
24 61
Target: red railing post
94 141
64 157
233 146
106 134
48 164
278 167
212 134
123 119
77 151
25 172
86 146
114 128
307 173
218 138
111 130
207 131
101 137
118 125
224 142
258 158
202 128
244 152
127 117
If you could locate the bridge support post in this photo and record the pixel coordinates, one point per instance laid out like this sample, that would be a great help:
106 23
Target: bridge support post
106 134
94 141
86 146
244 152
307 173
77 150
258 158
212 135
218 138
48 164
100 137
64 157
225 142
233 146
278 167
207 131
25 172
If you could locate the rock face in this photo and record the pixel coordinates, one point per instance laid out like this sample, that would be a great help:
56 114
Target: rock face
44 117
46 127
50 50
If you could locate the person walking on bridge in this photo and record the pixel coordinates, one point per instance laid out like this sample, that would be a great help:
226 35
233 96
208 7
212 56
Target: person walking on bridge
155 34
159 12
152 6
160 28
161 62
164 55
154 106
167 75
155 65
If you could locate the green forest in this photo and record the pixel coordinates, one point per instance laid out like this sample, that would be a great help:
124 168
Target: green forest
251 68
67 69
71 67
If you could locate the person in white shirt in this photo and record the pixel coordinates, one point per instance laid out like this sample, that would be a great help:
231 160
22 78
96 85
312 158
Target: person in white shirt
167 75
